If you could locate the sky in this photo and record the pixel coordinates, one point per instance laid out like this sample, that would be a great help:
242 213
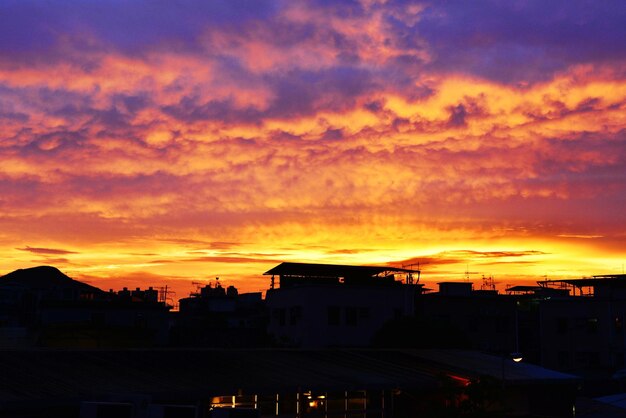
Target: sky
159 142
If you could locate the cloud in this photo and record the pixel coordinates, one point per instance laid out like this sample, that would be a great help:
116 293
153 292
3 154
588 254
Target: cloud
320 127
46 251
34 27
521 42
231 259
581 236
54 261
467 256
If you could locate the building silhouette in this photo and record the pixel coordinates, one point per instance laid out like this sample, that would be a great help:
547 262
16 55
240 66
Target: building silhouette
327 340
215 316
573 325
42 307
326 305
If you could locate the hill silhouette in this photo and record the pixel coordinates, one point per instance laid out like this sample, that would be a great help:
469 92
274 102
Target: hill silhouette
44 277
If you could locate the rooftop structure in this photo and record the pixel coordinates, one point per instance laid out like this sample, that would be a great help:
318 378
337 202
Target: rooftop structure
455 288
537 291
599 285
293 274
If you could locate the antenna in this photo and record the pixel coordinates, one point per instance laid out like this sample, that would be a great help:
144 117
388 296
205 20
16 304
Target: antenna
468 272
198 286
163 295
488 283
409 277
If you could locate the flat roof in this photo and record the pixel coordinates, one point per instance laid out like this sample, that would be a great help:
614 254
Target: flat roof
52 375
477 363
522 288
619 279
180 373
331 270
459 282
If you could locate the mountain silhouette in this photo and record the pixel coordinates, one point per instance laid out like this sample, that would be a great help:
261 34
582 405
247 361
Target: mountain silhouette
44 278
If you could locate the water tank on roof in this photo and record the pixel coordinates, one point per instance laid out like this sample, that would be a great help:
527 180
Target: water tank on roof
455 288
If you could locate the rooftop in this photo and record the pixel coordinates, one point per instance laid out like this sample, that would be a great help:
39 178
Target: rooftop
331 270
44 277
40 375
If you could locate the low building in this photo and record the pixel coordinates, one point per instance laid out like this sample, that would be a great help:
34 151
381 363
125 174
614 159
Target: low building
584 333
326 305
572 325
221 317
43 307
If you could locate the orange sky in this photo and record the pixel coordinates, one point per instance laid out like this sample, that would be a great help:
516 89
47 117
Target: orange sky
161 146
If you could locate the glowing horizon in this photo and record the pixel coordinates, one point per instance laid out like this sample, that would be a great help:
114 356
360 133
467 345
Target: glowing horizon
145 144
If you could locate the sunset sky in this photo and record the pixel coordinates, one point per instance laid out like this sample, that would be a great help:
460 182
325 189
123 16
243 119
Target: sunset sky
154 142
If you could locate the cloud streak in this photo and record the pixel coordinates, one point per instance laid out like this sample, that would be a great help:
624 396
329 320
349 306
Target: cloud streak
46 251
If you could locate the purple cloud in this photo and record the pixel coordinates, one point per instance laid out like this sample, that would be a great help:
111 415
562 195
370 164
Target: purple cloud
522 41
28 28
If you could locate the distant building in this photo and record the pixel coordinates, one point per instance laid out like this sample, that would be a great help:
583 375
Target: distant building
221 317
584 331
573 325
41 306
326 305
485 320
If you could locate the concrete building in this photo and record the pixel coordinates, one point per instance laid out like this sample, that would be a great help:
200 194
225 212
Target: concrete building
215 316
325 305
486 321
574 325
584 332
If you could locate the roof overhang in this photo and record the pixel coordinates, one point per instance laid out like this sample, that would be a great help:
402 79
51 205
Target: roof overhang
331 270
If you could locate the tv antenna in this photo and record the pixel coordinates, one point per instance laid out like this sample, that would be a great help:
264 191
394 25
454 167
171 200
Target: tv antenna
409 276
468 272
488 283
164 293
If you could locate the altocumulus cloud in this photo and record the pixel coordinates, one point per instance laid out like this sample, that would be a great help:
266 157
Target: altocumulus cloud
145 123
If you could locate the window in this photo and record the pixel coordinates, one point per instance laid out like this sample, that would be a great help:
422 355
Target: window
351 316
364 313
473 323
563 359
280 316
295 315
175 411
114 410
592 325
334 315
502 324
97 318
587 358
